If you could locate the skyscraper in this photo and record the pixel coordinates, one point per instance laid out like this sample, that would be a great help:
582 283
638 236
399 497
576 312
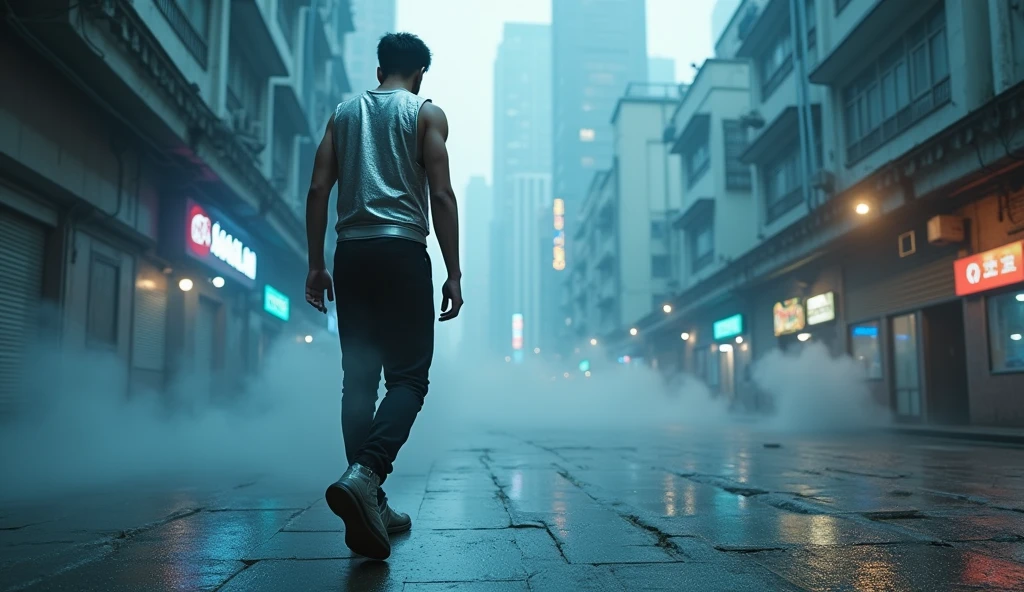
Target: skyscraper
661 70
598 49
476 263
522 169
373 19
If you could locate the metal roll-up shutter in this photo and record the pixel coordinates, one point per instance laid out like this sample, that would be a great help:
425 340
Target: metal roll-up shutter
915 288
22 248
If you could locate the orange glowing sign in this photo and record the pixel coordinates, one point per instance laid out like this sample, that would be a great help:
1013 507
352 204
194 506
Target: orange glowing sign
993 269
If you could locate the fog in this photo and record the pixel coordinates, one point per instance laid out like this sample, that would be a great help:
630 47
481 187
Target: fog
83 430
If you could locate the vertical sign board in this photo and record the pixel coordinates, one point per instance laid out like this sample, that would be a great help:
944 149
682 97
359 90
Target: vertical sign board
558 262
789 317
517 331
276 303
821 308
728 327
993 269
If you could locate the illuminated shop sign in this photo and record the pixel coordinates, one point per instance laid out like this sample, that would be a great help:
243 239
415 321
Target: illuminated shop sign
517 331
821 308
212 239
789 317
728 327
558 263
276 303
990 270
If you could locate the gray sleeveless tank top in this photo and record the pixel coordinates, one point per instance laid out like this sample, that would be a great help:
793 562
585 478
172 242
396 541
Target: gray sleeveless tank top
382 189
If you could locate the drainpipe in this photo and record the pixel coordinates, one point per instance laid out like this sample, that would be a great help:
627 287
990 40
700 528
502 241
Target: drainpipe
808 113
794 31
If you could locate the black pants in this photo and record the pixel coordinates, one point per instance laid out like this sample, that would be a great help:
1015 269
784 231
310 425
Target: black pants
384 295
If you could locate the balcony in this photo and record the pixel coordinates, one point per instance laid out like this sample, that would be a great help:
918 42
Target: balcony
250 28
195 41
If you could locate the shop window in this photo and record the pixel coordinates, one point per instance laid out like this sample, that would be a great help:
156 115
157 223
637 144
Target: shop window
1006 332
864 347
101 320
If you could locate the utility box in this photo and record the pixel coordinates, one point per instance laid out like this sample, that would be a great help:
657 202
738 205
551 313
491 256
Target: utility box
946 230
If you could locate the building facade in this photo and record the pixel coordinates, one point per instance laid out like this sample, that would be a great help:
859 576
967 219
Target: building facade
598 48
522 162
149 193
623 237
887 207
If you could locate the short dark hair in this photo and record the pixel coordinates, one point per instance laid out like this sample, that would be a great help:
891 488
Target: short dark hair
403 54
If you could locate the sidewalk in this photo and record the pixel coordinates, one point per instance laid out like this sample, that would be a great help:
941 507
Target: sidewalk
974 433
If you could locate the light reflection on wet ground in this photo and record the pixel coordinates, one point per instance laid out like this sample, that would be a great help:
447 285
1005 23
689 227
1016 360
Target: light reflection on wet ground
652 511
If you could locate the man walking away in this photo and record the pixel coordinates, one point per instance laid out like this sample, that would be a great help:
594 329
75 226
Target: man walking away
384 148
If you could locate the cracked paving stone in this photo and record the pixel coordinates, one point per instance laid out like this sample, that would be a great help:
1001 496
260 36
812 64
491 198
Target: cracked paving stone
222 536
701 577
983 526
893 567
316 576
119 575
450 511
520 586
302 545
577 578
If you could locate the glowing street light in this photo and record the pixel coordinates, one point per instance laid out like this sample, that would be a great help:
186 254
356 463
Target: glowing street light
565 375
1016 337
863 208
667 308
536 350
218 282
508 358
739 340
593 342
587 374
804 336
185 284
633 331
725 347
1020 297
684 336
308 339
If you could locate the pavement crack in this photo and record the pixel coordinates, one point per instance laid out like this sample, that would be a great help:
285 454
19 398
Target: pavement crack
883 515
556 541
741 550
867 473
664 539
132 532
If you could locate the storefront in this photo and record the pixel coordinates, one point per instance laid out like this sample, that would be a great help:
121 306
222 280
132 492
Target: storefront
214 287
905 323
992 285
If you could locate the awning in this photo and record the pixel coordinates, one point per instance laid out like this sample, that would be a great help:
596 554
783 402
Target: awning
701 208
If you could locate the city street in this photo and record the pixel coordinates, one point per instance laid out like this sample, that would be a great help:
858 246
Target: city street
667 509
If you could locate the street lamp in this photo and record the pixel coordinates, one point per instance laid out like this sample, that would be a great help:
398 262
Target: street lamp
218 282
725 347
185 284
667 308
863 208
593 342
739 339
536 350
804 336
684 336
308 339
633 331
1020 297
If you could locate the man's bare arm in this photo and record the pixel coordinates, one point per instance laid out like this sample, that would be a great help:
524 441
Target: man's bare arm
443 206
325 175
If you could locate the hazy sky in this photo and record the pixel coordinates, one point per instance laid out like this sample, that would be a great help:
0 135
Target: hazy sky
464 37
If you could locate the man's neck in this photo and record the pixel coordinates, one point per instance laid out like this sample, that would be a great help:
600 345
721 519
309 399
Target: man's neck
391 84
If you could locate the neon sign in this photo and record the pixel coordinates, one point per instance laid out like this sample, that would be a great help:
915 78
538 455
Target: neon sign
558 262
209 241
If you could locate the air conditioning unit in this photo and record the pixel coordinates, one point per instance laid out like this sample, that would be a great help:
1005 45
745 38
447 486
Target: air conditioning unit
752 120
824 180
946 230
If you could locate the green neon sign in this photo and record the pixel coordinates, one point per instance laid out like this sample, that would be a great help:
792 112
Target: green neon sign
728 327
276 303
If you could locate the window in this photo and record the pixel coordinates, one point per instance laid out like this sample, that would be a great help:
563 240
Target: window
865 349
908 82
783 191
1006 332
101 319
245 87
777 61
587 135
660 267
657 229
190 20
702 246
697 163
737 174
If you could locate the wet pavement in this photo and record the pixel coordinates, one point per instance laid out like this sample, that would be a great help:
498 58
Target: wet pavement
662 510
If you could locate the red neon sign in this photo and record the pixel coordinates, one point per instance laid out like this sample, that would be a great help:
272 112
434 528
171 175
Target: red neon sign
993 269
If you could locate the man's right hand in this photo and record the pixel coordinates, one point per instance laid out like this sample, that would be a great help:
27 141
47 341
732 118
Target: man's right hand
451 299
